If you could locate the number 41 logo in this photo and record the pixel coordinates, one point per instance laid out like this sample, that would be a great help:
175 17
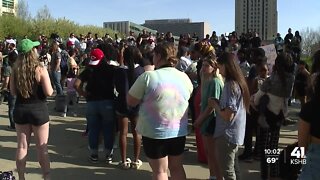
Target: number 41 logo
298 152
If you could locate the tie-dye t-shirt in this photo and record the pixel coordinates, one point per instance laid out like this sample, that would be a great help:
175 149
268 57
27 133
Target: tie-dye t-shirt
164 108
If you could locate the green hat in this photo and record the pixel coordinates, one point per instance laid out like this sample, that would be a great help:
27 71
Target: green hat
26 45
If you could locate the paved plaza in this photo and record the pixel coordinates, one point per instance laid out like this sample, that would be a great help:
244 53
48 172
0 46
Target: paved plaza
69 152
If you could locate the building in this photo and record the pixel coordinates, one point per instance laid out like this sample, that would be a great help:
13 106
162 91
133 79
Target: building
179 26
259 16
8 7
124 27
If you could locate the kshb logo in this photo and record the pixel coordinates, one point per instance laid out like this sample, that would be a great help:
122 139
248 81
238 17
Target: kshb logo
298 152
298 156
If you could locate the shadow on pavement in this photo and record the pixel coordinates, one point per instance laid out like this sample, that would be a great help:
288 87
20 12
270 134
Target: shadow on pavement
93 174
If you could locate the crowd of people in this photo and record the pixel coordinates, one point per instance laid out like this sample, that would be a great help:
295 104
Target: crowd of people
223 84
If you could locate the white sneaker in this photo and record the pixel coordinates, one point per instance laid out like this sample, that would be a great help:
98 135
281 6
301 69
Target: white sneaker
109 158
136 165
64 115
125 165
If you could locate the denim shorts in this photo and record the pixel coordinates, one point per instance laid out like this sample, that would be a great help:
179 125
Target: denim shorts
311 170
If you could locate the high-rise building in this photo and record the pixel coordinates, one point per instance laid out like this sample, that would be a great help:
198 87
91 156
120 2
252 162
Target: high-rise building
8 7
259 16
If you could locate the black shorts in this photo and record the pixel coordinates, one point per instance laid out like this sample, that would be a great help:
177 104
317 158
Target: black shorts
123 110
159 148
35 114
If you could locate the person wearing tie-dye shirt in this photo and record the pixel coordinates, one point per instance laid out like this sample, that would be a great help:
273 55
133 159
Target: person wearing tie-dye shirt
163 96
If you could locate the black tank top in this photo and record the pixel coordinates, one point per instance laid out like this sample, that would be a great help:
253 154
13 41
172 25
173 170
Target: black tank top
38 96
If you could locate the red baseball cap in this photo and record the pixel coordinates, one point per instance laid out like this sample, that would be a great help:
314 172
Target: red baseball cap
96 57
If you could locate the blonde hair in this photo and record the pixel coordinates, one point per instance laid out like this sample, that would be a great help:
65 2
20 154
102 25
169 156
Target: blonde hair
24 72
206 49
168 53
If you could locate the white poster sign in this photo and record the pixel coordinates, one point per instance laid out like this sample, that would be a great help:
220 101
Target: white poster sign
271 54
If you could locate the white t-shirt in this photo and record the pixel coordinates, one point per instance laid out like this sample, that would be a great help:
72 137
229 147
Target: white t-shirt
73 40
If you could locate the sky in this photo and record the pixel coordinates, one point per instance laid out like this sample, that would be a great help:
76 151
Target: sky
220 14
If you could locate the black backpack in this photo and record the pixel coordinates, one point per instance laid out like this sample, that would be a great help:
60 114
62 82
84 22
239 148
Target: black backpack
64 62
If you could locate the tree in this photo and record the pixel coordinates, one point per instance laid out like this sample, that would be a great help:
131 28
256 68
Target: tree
23 10
42 23
310 39
43 13
14 26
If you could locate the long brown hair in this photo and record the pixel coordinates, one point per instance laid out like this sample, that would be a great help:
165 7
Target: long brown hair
55 47
283 65
24 72
212 61
234 73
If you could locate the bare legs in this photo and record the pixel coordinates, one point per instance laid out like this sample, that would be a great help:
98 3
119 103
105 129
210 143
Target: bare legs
23 139
302 99
176 167
41 134
123 125
160 168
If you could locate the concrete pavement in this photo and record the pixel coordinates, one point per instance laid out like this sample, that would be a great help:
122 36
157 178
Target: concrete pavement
69 153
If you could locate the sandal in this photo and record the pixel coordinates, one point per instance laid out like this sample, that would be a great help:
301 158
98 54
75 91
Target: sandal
126 164
136 165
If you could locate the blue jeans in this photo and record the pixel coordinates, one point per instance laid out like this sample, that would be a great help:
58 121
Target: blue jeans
56 78
100 118
311 170
11 104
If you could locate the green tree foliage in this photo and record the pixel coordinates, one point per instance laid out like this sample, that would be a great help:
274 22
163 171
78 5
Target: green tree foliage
43 23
